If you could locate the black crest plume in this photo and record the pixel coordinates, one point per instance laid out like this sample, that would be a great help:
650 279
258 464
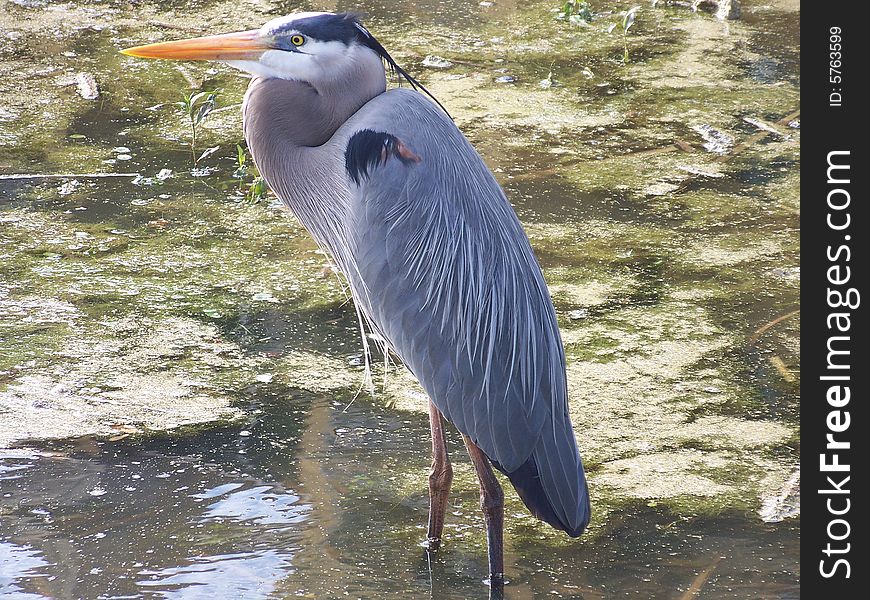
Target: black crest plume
367 39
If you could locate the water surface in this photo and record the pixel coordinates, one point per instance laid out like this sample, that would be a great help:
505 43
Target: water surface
182 397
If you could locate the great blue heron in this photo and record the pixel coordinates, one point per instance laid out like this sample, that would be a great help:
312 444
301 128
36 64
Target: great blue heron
436 259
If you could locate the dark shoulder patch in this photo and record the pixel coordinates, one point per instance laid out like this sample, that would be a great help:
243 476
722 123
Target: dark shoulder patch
368 149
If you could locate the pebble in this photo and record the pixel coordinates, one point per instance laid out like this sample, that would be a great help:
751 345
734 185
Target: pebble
715 141
68 187
87 87
436 62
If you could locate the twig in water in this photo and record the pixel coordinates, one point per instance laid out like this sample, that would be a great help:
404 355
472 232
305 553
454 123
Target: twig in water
765 126
779 365
699 581
756 137
65 175
760 331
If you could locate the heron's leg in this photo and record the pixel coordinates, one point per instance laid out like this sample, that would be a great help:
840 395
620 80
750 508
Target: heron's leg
440 478
492 505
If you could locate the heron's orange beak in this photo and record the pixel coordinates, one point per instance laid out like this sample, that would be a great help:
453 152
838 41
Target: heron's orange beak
243 45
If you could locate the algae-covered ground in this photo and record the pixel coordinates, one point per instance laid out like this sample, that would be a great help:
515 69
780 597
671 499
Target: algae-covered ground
183 399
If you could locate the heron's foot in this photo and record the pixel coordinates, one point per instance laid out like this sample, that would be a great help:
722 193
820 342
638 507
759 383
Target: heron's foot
496 583
431 544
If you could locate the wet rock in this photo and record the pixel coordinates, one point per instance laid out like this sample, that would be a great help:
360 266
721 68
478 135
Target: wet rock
30 3
715 141
728 9
7 115
722 9
68 187
784 504
86 86
660 188
436 62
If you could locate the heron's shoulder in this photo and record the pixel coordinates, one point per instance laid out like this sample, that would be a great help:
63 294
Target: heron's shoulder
410 97
401 108
400 118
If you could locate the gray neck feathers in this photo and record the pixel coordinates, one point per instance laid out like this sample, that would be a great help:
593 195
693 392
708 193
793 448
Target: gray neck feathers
289 126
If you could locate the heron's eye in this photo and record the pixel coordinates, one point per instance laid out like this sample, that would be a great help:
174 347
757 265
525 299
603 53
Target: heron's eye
297 40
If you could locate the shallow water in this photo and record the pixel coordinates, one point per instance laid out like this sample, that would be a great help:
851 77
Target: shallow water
294 505
179 368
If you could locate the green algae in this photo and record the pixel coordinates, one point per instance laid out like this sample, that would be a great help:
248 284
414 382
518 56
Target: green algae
154 304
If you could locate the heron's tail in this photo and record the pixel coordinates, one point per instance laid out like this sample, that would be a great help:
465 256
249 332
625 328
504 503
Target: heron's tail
552 483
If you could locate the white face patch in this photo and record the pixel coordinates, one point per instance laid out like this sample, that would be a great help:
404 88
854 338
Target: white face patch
254 67
313 61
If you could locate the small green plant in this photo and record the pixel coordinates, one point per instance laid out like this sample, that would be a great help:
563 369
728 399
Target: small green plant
241 171
624 25
578 12
257 188
196 107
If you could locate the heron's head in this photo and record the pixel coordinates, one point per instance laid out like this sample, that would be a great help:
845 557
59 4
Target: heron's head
325 50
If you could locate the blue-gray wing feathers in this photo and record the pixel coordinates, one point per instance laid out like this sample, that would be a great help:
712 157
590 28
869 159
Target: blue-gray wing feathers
445 272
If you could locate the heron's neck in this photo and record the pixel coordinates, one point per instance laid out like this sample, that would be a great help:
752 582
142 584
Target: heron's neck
288 126
306 114
279 112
